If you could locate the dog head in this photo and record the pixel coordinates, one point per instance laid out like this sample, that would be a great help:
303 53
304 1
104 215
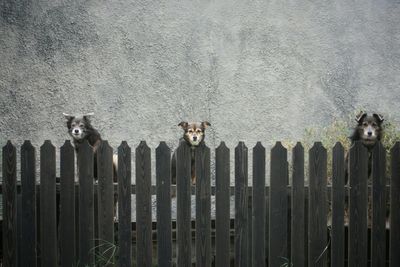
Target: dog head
78 125
194 132
369 128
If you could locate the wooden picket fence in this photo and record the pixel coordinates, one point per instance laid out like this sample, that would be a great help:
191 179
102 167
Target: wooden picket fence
278 225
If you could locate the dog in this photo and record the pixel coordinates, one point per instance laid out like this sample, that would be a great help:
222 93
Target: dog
81 129
369 131
193 135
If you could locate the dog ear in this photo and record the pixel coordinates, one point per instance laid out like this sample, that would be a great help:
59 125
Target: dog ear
379 117
360 116
205 124
87 116
68 117
183 124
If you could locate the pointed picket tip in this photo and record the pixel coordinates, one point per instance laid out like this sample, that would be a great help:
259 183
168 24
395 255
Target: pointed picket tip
222 147
143 145
278 146
105 143
259 144
317 146
67 143
298 145
9 146
85 145
241 144
27 143
379 146
163 146
358 145
124 145
47 145
338 146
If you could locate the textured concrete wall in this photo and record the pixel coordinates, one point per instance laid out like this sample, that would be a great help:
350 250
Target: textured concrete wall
257 70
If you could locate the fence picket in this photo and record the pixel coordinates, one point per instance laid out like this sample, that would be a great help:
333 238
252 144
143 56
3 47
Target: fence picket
183 180
258 206
67 205
9 205
203 206
317 230
222 205
143 205
48 224
124 206
378 236
395 206
358 235
105 198
297 220
241 205
278 206
163 176
86 204
338 197
28 205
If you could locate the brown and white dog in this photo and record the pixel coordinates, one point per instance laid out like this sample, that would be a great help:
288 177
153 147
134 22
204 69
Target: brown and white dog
194 134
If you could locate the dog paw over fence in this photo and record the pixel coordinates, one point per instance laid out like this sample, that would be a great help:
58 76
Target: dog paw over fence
72 220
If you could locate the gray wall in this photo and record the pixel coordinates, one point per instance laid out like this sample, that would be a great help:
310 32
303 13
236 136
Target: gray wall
257 70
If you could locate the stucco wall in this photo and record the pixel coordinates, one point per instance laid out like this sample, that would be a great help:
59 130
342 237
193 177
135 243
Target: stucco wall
257 70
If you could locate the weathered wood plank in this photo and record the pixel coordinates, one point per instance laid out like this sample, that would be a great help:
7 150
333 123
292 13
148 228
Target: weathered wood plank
67 205
203 206
258 206
124 206
222 205
163 177
28 205
317 230
338 194
358 235
297 222
378 236
143 205
395 206
9 205
86 204
48 224
183 180
105 200
241 205
278 206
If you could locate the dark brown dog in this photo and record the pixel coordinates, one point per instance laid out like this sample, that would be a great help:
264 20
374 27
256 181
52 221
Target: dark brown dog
194 134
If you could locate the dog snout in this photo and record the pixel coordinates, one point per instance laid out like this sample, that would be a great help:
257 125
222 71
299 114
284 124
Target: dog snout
76 131
194 138
369 133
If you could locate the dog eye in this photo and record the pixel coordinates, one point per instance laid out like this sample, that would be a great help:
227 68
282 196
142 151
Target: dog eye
365 124
81 125
374 124
190 131
198 130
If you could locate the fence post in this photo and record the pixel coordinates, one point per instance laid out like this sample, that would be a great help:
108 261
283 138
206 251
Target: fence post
203 206
358 235
395 206
163 176
222 205
317 230
105 200
183 180
143 205
338 196
124 206
241 205
297 221
67 205
9 205
378 236
86 204
278 253
258 206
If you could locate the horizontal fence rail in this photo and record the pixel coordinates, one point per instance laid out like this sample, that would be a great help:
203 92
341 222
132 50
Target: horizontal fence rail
84 217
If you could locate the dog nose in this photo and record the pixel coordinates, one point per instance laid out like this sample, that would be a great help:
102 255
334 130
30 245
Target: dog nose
194 138
369 133
76 131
